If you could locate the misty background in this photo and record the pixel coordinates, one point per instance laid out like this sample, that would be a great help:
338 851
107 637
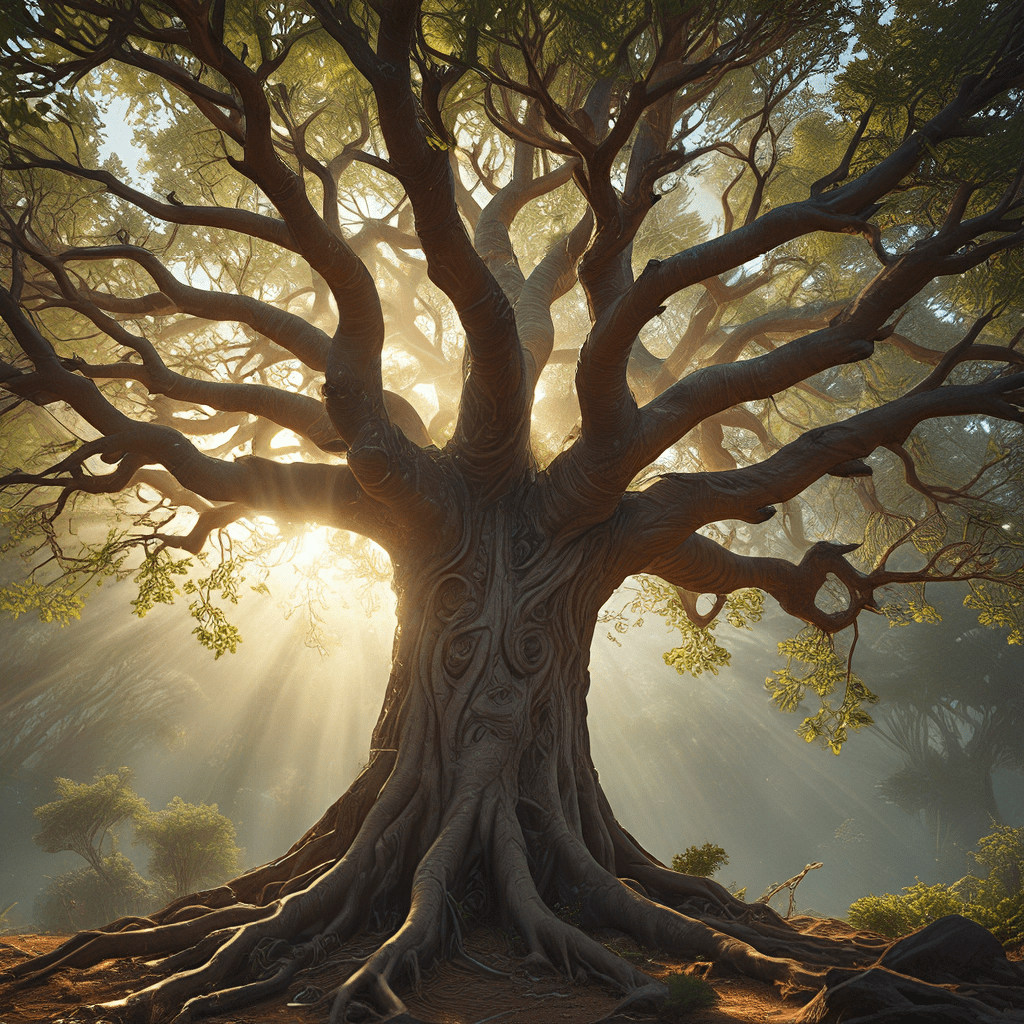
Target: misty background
275 733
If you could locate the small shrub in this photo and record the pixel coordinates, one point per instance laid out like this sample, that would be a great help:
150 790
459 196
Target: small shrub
686 993
82 899
995 900
700 860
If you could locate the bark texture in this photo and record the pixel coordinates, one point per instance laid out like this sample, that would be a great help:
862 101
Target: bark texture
480 798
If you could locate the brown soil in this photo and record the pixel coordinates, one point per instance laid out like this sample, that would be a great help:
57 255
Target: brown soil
453 992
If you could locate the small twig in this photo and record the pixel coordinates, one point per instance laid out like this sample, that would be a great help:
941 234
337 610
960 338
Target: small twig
791 885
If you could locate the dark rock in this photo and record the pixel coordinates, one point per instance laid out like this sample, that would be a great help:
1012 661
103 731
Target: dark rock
950 950
878 996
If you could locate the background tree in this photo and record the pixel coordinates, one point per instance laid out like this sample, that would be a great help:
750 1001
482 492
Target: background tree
84 820
84 816
335 206
193 846
953 710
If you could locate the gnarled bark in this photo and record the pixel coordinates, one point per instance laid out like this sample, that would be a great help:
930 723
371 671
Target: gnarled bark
480 792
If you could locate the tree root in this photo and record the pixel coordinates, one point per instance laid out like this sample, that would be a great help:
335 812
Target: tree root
89 948
420 936
212 952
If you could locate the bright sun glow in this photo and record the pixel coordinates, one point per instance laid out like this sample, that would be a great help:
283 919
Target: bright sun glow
312 546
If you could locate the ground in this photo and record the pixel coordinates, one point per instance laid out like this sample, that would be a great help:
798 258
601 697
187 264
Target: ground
453 992
496 987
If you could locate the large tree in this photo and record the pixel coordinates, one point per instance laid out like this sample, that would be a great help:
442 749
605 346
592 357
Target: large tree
340 196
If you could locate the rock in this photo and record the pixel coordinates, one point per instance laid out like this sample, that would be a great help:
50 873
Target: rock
953 971
879 996
952 949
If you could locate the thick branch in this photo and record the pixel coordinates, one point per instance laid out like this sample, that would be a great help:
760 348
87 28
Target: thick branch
492 430
684 502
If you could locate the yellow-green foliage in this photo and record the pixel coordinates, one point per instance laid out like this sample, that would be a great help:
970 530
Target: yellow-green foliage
699 651
998 606
894 915
812 664
55 589
56 598
51 602
700 860
193 846
995 900
214 631
155 580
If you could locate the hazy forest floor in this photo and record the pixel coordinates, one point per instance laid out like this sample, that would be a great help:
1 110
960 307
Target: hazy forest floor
453 992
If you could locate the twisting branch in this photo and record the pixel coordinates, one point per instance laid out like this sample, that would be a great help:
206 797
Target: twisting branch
700 565
492 430
354 391
688 599
684 502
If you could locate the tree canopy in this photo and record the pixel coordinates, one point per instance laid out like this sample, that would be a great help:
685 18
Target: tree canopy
180 307
193 846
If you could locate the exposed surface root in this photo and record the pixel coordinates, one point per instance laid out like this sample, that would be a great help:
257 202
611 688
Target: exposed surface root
213 952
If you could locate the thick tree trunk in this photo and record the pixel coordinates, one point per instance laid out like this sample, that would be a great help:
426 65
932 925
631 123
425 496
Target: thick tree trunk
479 796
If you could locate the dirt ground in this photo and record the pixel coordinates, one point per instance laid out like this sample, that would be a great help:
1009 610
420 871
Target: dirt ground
496 987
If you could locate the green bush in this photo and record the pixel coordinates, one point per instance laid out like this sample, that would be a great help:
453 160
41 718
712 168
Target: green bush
1005 919
700 860
896 915
82 899
995 899
998 898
